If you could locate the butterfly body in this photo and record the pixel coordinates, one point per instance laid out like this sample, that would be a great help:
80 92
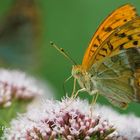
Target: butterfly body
111 64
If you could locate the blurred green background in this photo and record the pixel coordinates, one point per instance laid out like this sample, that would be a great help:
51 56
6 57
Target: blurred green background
70 24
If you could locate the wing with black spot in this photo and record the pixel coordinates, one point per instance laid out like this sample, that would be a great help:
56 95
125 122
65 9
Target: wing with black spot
116 19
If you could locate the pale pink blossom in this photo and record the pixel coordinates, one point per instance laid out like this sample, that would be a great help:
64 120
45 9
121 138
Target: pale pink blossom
73 120
16 85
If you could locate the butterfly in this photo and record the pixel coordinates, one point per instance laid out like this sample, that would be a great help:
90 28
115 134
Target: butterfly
19 34
111 63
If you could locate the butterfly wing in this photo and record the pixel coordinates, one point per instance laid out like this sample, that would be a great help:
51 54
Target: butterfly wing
118 77
117 19
125 37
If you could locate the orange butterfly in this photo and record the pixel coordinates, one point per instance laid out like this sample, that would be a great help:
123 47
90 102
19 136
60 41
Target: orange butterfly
111 64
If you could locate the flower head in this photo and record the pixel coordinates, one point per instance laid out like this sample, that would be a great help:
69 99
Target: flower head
16 85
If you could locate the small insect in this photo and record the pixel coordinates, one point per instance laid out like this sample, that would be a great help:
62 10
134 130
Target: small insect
111 64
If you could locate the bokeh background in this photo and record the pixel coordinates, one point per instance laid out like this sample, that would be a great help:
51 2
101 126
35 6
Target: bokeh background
24 38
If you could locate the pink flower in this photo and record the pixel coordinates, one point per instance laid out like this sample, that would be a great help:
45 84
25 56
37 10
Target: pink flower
16 85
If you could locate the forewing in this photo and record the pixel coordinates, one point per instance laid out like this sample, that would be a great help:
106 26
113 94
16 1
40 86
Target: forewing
117 19
118 77
124 37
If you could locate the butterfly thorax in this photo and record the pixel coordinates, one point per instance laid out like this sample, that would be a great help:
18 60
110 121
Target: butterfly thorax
83 78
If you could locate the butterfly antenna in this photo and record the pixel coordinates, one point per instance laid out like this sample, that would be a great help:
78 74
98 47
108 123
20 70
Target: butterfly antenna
61 50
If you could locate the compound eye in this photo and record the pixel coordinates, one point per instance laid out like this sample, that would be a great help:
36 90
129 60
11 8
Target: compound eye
78 73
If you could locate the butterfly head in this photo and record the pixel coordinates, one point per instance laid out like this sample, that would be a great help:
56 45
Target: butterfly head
83 77
77 71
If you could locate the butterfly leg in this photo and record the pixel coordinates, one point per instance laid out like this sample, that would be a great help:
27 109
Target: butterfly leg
80 90
94 99
74 88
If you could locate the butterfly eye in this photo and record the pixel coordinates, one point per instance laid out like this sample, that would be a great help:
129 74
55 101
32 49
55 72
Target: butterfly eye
78 73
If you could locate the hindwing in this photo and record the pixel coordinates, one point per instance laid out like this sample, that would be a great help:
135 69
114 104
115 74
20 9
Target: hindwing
118 77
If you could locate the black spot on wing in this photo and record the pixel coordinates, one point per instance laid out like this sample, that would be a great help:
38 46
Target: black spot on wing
130 37
110 46
122 46
125 20
122 35
104 49
98 38
101 54
92 75
95 45
108 29
135 42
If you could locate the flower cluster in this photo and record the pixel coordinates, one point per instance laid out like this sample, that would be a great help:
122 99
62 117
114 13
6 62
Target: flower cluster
67 120
16 85
72 120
